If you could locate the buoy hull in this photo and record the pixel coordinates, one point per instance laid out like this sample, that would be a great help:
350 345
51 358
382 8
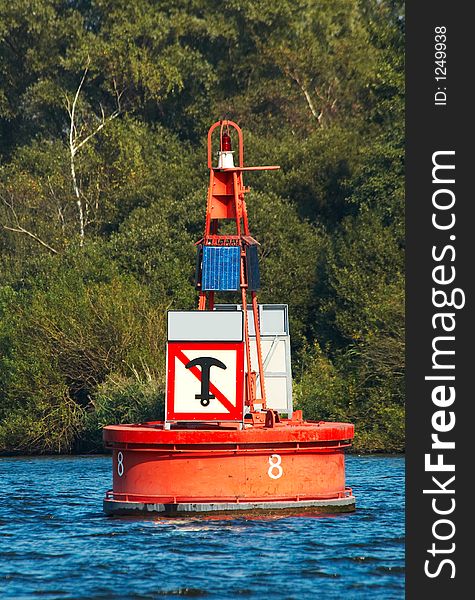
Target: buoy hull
291 467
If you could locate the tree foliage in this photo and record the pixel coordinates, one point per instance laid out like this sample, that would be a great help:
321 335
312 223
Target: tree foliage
104 108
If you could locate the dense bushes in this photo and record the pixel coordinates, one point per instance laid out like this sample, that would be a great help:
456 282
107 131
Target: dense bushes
100 207
64 342
344 390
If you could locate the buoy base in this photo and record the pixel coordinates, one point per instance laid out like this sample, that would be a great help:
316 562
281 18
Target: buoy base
287 465
329 506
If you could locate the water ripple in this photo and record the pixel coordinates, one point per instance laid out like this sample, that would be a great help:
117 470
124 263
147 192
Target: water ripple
55 542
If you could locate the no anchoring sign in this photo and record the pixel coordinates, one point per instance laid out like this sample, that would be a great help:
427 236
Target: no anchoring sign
205 381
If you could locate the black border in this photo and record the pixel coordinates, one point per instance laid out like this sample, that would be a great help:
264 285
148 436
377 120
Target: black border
431 128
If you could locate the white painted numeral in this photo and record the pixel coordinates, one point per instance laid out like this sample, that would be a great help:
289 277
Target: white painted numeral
275 462
120 464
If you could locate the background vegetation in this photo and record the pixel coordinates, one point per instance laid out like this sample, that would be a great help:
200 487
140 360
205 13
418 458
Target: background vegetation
104 108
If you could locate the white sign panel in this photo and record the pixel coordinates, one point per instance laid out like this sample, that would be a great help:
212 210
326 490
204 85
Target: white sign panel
205 381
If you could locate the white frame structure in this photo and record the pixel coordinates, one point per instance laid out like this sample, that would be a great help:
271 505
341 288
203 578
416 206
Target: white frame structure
274 321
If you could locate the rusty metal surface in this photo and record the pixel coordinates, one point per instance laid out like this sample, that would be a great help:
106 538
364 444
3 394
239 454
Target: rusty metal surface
293 507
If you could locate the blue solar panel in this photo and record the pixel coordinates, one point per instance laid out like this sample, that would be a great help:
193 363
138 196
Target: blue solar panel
221 268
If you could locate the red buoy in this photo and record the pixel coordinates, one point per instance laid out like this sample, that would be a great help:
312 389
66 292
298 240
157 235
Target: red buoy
224 445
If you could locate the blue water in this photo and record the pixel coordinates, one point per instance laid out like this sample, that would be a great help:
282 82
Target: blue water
56 543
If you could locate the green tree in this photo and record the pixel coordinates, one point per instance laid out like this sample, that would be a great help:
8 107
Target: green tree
104 107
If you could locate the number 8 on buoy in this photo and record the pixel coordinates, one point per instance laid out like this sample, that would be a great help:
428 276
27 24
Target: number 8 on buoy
120 464
275 470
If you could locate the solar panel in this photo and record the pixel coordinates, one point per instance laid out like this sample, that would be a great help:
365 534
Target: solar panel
252 268
221 268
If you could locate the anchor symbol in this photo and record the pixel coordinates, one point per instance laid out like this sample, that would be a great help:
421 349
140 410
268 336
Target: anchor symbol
205 362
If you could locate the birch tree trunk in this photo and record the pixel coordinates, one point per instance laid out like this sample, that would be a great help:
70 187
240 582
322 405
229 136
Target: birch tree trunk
76 142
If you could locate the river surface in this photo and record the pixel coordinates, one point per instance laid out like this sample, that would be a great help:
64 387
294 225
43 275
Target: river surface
56 543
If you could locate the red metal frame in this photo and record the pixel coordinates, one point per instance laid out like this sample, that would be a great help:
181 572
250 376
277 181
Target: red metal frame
226 201
222 124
